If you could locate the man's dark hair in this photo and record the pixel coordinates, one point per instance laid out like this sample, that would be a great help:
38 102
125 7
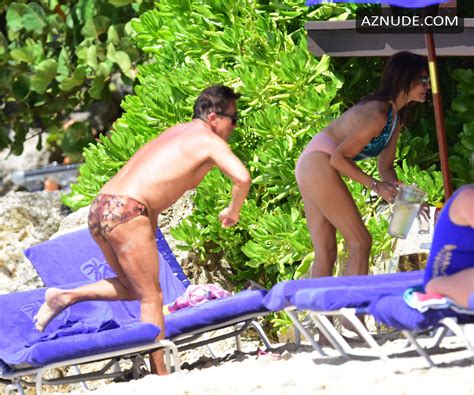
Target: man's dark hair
214 99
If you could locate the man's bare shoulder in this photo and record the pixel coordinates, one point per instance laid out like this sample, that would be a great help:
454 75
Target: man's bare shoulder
187 130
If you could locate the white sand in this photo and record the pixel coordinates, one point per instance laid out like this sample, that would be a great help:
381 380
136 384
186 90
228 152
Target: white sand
304 372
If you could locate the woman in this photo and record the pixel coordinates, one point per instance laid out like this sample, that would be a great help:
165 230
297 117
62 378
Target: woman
450 267
370 128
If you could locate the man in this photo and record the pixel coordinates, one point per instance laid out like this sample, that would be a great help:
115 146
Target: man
123 217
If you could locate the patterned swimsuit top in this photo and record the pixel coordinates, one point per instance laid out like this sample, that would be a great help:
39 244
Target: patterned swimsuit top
378 144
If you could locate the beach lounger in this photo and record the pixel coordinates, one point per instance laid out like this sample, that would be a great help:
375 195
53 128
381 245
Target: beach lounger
348 297
74 256
393 311
85 333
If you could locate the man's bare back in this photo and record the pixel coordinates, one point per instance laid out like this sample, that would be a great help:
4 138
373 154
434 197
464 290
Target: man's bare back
174 162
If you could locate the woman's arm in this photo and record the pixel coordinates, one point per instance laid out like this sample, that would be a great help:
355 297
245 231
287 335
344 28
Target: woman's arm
461 211
370 123
361 134
387 157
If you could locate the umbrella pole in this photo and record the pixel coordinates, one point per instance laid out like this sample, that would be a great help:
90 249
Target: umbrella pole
439 117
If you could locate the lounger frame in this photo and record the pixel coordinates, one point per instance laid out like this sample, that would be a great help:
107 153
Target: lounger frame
321 321
191 340
16 379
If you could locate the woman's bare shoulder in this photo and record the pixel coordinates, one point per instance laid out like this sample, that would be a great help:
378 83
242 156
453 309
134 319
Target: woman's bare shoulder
375 107
462 209
375 112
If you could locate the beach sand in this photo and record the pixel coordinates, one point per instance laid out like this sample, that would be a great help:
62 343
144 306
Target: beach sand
292 370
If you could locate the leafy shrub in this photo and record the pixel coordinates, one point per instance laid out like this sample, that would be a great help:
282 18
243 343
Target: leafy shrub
258 48
461 160
57 57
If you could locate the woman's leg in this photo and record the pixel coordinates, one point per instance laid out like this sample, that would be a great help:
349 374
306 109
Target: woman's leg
323 237
323 185
459 286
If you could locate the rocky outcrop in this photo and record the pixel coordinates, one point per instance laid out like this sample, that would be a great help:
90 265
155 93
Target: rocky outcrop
25 219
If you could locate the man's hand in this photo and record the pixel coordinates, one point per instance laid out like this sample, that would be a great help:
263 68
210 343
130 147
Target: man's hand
228 218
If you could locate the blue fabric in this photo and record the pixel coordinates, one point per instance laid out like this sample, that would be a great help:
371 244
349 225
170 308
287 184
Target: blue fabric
214 312
92 327
392 310
76 257
378 144
282 294
334 298
470 301
83 329
399 3
452 249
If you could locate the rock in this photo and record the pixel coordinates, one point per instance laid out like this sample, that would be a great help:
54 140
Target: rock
25 219
76 219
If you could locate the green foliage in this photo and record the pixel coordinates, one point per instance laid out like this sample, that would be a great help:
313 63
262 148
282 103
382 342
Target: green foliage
461 119
57 57
258 48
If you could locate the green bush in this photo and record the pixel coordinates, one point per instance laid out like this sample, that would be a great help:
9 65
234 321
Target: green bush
461 158
57 57
260 49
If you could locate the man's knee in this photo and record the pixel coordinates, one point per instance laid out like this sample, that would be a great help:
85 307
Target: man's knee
153 297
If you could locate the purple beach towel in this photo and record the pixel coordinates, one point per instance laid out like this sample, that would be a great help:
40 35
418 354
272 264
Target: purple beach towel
83 329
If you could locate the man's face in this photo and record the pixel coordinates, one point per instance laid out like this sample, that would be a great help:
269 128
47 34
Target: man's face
226 121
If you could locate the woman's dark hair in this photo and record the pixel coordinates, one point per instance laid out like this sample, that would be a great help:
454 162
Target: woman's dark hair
214 99
400 71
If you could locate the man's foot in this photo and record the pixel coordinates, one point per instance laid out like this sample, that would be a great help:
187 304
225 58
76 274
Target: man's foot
54 304
157 363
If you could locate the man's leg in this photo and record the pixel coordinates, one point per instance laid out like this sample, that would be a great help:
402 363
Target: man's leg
135 247
117 288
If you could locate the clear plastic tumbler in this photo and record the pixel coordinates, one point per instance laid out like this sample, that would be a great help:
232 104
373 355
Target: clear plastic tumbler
406 207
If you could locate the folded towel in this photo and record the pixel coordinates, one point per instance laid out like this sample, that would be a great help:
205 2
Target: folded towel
418 299
196 295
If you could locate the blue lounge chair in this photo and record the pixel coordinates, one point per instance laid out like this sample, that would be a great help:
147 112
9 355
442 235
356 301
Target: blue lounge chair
56 266
74 257
84 333
349 297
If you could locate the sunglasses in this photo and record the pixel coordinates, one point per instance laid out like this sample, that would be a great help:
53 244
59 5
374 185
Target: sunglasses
425 81
233 118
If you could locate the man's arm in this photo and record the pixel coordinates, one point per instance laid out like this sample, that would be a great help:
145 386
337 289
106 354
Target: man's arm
231 166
